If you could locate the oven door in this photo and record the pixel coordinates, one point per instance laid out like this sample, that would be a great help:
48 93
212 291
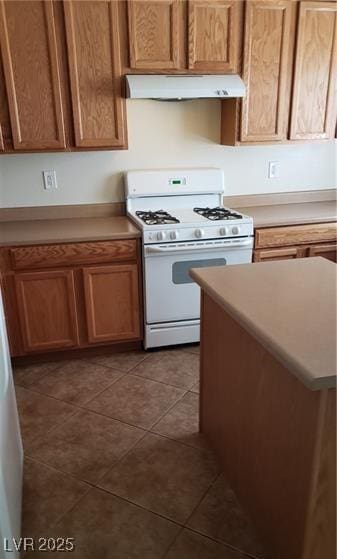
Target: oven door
170 293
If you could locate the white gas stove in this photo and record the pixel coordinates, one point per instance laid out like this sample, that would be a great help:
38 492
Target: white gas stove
184 225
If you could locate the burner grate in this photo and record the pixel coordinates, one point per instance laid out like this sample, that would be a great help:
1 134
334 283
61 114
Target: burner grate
159 217
218 213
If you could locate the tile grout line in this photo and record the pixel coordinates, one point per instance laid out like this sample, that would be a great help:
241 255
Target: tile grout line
49 431
91 486
141 506
93 360
202 498
70 477
226 545
33 389
52 429
146 431
36 391
173 542
122 374
183 526
15 369
134 374
76 405
88 410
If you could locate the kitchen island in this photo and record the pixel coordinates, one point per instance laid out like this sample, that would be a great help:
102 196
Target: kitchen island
268 396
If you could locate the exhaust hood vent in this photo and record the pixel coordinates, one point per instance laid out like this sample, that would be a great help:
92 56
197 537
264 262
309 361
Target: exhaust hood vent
178 87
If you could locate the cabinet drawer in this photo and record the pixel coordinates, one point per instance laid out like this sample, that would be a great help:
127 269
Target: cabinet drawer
294 235
48 256
278 254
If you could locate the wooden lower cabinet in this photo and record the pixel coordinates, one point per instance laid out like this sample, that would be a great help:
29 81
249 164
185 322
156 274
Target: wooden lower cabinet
71 295
296 241
47 309
112 302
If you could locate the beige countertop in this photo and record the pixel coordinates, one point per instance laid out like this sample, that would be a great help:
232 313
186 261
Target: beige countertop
289 306
66 230
291 214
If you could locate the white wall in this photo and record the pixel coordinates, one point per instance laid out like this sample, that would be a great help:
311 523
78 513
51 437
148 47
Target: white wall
163 134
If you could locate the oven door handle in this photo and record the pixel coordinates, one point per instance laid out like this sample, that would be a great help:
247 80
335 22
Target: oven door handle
230 246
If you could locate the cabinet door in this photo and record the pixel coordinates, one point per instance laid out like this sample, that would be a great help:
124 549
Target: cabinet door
2 146
31 69
213 35
47 309
314 96
278 254
327 251
95 74
155 34
266 69
112 302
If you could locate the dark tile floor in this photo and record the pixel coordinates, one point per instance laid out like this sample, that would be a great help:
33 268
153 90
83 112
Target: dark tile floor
114 459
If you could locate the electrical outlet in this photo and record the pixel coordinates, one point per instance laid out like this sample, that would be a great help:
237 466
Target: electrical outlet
274 170
49 179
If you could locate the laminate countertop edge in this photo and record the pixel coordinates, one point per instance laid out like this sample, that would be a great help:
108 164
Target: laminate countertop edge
67 230
290 361
279 215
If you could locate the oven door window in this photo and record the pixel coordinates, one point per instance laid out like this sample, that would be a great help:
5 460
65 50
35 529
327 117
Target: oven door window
180 269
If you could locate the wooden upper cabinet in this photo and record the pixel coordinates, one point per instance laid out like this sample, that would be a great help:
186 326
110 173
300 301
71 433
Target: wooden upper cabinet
314 94
47 309
112 302
31 70
214 35
155 34
266 69
4 115
92 31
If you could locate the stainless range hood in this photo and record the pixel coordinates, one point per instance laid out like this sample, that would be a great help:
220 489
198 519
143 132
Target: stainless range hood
179 87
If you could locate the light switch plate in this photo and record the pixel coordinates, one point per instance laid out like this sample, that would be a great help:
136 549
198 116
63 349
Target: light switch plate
274 170
49 179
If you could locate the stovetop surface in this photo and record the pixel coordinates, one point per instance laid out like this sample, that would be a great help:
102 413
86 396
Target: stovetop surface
157 217
218 213
196 216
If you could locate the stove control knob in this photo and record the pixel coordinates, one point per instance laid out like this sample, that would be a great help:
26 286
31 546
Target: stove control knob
174 235
235 230
161 236
199 233
223 231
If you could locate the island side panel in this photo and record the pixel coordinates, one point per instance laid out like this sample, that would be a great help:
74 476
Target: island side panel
320 538
262 422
